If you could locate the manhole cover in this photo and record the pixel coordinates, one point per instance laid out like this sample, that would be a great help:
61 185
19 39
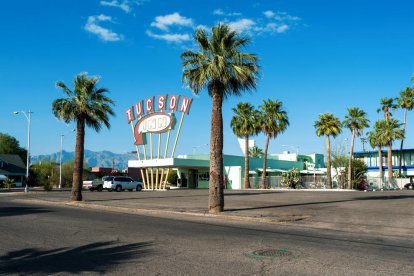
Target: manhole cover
272 253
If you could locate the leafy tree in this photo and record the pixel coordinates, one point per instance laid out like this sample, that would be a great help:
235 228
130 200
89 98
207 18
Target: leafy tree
377 140
222 69
45 173
274 121
386 105
406 102
391 130
85 105
291 178
255 152
328 125
245 123
339 161
10 145
355 121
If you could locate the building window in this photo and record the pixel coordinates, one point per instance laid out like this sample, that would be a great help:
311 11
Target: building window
205 176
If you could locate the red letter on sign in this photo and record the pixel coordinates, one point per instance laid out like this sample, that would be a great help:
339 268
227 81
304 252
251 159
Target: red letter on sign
149 105
138 109
173 102
185 105
130 115
162 102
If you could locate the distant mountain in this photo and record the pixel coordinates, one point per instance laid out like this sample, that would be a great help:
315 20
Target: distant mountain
92 158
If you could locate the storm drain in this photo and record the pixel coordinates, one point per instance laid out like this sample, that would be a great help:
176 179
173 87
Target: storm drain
269 253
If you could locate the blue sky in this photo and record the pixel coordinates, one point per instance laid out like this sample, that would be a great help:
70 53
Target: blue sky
315 56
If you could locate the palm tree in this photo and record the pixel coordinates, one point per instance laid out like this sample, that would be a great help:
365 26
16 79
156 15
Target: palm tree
405 101
390 132
244 124
255 152
224 71
85 105
355 121
386 105
376 140
328 125
274 121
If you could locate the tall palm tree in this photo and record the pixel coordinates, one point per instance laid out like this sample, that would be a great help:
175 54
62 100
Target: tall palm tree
255 152
386 105
274 121
328 125
355 121
390 132
245 123
376 140
405 101
85 105
224 70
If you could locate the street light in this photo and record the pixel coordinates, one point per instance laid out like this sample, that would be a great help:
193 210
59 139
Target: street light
60 161
196 147
295 147
27 115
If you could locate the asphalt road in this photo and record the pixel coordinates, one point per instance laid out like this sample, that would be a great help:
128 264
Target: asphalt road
46 239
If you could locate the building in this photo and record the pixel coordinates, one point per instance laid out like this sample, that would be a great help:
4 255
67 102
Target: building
12 167
371 159
193 170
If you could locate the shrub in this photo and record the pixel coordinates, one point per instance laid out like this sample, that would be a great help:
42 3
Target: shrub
9 183
173 178
291 178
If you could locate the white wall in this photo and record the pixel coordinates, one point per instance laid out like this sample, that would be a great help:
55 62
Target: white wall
234 176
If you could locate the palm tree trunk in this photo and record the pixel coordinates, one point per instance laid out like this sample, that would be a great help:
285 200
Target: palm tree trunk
328 163
264 178
78 162
402 144
351 152
216 197
246 163
390 174
381 173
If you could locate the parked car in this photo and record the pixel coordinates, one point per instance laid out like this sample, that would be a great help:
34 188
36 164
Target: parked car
409 186
120 183
96 184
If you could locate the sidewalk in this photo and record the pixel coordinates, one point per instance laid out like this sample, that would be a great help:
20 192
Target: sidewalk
385 213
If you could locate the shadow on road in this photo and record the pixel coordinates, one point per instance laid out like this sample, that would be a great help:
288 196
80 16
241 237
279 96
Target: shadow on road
18 211
95 257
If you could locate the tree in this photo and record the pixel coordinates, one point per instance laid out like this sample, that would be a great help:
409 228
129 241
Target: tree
390 132
406 102
86 105
339 161
376 140
255 152
10 145
355 121
274 121
358 171
224 71
386 105
245 123
328 125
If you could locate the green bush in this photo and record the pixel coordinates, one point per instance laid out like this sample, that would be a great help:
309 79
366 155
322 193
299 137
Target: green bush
172 178
9 183
291 178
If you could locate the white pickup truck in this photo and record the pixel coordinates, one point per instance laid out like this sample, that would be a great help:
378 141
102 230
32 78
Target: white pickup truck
95 185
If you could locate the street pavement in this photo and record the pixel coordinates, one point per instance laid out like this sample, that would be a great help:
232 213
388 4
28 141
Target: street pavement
387 213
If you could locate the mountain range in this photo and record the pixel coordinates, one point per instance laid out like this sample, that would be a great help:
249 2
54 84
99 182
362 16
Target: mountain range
105 158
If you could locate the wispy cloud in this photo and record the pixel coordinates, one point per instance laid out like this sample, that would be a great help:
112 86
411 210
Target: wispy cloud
222 13
124 5
176 38
164 22
93 26
243 25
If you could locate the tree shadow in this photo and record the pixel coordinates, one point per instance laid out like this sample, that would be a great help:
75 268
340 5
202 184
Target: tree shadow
18 211
95 257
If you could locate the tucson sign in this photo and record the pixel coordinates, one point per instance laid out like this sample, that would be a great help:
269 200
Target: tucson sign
156 115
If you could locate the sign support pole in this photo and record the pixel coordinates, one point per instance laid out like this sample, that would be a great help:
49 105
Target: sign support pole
139 156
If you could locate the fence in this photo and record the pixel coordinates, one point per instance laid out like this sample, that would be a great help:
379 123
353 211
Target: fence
319 182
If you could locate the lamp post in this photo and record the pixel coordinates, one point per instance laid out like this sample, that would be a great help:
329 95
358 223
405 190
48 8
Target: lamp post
60 161
295 147
27 114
